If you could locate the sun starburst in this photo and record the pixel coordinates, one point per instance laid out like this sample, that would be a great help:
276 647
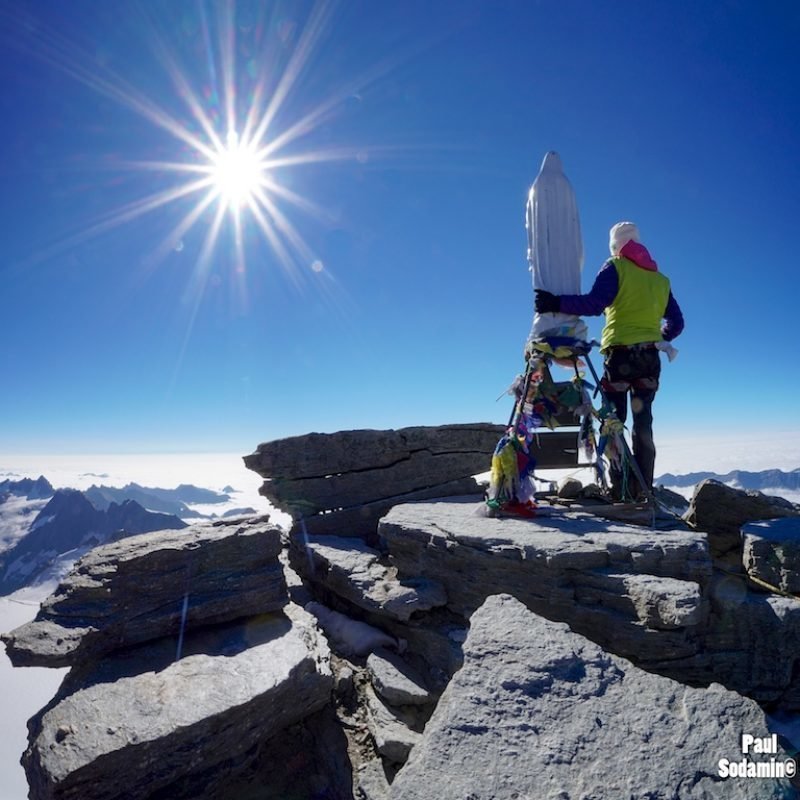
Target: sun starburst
242 127
237 172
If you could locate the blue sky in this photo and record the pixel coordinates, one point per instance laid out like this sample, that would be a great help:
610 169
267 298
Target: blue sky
683 117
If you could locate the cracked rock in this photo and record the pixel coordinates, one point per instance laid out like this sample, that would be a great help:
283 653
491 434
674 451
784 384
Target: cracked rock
353 571
538 711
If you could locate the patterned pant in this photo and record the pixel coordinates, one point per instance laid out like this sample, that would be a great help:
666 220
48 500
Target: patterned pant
634 370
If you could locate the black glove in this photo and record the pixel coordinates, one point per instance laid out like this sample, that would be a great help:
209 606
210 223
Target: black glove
546 302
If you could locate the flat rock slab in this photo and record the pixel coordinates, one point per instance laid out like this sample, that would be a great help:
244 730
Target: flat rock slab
153 720
143 587
468 553
317 455
659 603
396 681
634 590
353 571
566 540
540 712
771 552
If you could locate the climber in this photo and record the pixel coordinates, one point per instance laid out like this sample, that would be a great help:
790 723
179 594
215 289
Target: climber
641 317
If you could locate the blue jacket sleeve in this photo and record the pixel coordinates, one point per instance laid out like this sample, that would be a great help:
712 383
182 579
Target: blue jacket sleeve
602 294
673 320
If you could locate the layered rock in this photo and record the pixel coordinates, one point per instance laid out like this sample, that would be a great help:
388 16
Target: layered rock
308 759
721 511
319 454
187 660
147 719
342 483
647 595
364 583
152 585
567 719
752 644
600 577
355 572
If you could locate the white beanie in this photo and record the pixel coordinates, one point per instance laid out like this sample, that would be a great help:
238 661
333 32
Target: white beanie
620 235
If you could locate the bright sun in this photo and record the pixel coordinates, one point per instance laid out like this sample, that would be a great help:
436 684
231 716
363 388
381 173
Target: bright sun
235 177
237 172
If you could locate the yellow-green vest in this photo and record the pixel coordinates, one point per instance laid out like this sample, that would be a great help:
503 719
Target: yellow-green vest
636 313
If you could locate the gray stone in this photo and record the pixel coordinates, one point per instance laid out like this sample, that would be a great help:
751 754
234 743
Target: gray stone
646 595
420 471
749 643
391 730
658 602
569 488
559 566
316 455
344 681
677 503
362 521
432 643
343 483
562 542
148 720
722 511
143 587
371 782
307 760
396 681
752 642
540 712
354 572
771 552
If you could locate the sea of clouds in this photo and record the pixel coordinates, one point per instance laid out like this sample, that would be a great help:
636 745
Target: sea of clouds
747 451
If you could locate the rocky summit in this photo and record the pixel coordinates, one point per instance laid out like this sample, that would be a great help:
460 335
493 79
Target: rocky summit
347 481
430 651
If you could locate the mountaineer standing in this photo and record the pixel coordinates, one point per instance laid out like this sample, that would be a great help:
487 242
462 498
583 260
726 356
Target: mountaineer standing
641 317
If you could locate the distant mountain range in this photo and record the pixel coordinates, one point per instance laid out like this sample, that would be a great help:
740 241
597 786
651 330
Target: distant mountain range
168 501
766 479
39 489
70 522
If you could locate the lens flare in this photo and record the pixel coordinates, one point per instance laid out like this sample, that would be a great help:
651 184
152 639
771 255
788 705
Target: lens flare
239 127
